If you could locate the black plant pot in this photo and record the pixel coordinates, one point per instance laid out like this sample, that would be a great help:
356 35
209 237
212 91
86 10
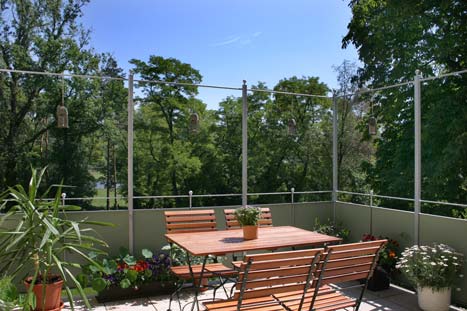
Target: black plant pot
379 281
145 290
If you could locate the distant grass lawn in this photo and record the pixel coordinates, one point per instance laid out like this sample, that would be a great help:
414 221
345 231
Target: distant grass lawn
102 203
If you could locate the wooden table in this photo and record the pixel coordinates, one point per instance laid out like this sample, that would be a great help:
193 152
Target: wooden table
231 241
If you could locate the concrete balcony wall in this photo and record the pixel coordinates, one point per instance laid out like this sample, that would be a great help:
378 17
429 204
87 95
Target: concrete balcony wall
149 224
399 225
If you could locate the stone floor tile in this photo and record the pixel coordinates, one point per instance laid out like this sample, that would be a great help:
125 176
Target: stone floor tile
141 304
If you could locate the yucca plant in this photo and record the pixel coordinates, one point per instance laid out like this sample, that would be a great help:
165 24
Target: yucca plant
42 236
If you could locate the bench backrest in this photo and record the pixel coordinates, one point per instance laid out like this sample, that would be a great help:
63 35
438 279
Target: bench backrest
348 262
232 223
343 263
190 221
262 275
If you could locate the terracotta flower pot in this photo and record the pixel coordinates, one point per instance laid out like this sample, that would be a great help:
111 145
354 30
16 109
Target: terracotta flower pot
53 294
250 232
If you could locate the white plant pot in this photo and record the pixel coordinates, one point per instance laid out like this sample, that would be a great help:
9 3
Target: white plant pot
431 299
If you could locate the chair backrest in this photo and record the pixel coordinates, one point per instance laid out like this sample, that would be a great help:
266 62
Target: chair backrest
262 275
190 221
232 223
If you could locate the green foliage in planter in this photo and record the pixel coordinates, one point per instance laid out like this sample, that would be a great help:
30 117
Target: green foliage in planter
436 266
248 216
43 235
334 229
126 271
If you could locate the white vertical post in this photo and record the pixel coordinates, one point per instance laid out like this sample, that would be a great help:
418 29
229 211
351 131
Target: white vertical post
371 212
292 199
418 154
244 145
334 155
130 164
190 199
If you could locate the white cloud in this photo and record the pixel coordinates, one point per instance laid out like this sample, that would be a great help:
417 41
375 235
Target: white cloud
239 39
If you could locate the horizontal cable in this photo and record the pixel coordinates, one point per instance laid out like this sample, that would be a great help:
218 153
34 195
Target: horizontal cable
364 91
443 75
444 203
188 84
54 74
288 93
312 192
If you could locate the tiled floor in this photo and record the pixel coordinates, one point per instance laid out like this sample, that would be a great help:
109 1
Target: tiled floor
389 300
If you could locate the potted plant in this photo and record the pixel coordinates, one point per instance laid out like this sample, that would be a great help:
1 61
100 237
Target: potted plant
433 270
126 276
386 266
248 217
332 228
41 237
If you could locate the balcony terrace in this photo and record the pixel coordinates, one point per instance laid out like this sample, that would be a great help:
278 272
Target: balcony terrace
149 229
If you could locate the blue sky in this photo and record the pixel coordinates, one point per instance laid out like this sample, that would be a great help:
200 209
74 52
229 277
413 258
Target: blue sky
227 41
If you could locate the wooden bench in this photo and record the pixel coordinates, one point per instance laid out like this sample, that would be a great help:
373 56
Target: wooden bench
339 264
263 275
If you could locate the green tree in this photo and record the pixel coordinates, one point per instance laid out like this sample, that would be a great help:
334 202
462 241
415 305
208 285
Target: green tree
394 39
162 122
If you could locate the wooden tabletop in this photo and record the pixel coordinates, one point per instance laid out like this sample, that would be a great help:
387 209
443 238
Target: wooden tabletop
231 241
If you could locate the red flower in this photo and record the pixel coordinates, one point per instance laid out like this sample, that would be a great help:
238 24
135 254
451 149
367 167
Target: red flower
141 265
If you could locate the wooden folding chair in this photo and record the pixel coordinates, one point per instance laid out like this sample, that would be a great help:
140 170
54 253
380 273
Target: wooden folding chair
264 275
339 264
232 223
195 221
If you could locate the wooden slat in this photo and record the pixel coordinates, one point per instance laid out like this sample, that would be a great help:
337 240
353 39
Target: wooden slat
210 270
279 263
272 290
349 261
191 213
204 218
345 270
352 246
344 278
260 304
355 252
254 275
195 225
284 255
274 281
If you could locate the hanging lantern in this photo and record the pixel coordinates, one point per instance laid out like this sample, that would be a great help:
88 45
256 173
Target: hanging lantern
62 112
292 127
194 123
372 126
62 117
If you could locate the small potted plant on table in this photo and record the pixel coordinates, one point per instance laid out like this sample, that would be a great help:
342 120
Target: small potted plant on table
433 270
248 217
